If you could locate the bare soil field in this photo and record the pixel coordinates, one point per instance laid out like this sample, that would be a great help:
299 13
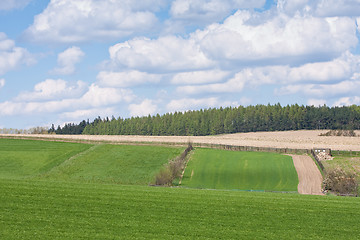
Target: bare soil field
310 178
303 139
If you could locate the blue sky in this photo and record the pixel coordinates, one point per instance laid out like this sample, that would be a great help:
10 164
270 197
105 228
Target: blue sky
64 61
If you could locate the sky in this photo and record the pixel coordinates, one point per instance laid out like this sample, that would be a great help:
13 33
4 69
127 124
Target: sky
63 61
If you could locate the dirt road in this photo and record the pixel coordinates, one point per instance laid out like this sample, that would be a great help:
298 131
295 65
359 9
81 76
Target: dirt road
310 178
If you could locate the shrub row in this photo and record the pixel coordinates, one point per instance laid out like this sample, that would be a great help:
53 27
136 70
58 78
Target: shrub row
172 169
340 182
345 133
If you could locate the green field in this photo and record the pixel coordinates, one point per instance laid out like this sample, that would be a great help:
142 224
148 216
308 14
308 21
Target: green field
219 169
29 158
55 190
82 162
60 210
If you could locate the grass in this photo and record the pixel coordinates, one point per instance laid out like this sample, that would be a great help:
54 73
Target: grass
346 160
28 158
121 164
54 190
78 162
220 169
59 210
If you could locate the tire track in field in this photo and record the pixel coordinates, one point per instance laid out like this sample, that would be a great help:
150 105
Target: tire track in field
69 161
310 178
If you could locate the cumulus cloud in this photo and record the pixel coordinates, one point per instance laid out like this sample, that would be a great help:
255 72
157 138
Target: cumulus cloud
347 101
54 96
51 89
243 37
169 53
126 78
13 4
199 77
102 96
145 108
67 60
337 70
246 39
68 21
12 56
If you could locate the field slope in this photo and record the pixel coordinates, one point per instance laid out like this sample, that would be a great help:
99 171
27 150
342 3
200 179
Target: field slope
54 210
76 162
29 158
220 169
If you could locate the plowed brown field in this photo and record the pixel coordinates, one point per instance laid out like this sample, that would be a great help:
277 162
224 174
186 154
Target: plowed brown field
303 139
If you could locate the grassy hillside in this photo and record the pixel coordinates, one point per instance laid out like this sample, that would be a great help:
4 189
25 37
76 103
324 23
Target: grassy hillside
82 162
53 210
220 169
116 164
28 158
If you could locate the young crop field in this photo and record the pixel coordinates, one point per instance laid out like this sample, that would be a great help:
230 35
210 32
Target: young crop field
58 210
220 169
76 162
29 158
121 164
57 190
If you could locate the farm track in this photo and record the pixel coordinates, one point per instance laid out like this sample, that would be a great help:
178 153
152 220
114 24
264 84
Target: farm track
303 139
310 178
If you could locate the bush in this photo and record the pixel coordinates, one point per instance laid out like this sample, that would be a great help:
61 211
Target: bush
164 177
345 133
341 183
173 169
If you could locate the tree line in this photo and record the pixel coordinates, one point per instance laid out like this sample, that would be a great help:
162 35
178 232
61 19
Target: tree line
214 121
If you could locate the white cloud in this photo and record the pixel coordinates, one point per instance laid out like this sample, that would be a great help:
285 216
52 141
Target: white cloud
12 56
98 96
2 83
47 99
51 89
199 77
316 102
145 108
126 78
13 4
340 69
66 61
191 103
244 37
68 21
167 53
347 101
